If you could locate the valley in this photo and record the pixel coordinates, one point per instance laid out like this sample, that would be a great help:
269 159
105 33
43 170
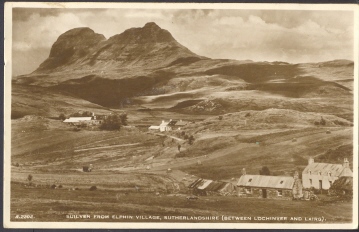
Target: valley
240 114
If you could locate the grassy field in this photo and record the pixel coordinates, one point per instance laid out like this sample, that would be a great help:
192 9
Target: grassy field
54 204
130 165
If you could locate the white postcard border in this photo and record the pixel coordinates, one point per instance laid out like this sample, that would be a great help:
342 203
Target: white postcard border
153 225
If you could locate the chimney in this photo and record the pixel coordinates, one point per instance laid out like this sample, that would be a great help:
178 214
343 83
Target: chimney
310 160
243 171
346 163
163 121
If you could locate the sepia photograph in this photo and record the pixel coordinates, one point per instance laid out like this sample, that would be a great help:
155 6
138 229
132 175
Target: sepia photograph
168 115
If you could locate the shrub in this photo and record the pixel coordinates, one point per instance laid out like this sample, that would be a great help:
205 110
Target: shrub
62 117
220 117
112 122
264 171
60 186
322 121
82 114
53 186
93 188
247 114
191 140
29 177
123 118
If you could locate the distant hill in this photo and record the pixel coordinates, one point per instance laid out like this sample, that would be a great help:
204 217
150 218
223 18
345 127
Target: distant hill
147 67
82 48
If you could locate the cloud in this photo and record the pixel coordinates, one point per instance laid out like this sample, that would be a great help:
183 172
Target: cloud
39 32
292 36
143 14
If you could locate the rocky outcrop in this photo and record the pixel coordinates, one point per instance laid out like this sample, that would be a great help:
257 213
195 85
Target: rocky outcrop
83 49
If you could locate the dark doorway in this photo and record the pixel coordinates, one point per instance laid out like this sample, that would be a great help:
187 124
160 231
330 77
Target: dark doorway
264 193
320 186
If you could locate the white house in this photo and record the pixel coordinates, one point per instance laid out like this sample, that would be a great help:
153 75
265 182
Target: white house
322 175
77 119
167 126
154 128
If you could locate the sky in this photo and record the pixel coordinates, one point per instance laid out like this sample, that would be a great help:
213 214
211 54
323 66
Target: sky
260 35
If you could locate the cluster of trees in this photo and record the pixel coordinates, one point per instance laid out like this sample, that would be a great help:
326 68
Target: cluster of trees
264 171
62 116
114 122
189 138
81 114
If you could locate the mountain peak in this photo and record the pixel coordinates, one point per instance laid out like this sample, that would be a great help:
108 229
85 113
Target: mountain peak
82 49
152 25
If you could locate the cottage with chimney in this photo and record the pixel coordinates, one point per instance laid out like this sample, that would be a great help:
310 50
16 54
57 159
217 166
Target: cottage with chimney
273 187
321 176
168 125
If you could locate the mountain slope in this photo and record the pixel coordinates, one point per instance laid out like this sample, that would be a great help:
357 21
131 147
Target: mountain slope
83 49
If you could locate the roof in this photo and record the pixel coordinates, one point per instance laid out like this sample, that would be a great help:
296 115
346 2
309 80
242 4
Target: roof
77 119
169 123
154 128
181 123
212 186
278 182
204 184
325 168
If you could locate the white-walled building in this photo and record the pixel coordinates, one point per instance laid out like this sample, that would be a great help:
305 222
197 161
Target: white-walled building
322 175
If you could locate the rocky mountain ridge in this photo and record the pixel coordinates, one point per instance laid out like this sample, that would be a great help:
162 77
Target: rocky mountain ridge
83 49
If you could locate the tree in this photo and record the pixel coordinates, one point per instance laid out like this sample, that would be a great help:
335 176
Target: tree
112 122
179 147
123 118
82 114
191 140
264 171
29 178
62 117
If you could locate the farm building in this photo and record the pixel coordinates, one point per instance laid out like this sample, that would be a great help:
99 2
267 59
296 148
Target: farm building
154 128
280 187
79 120
206 187
321 176
169 125
179 125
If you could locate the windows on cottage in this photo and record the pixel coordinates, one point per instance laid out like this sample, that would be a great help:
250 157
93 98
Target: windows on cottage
248 190
280 193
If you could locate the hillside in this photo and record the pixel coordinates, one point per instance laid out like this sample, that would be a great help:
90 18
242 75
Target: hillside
147 67
81 49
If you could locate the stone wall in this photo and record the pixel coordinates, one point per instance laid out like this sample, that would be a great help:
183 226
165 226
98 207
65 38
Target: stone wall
270 193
